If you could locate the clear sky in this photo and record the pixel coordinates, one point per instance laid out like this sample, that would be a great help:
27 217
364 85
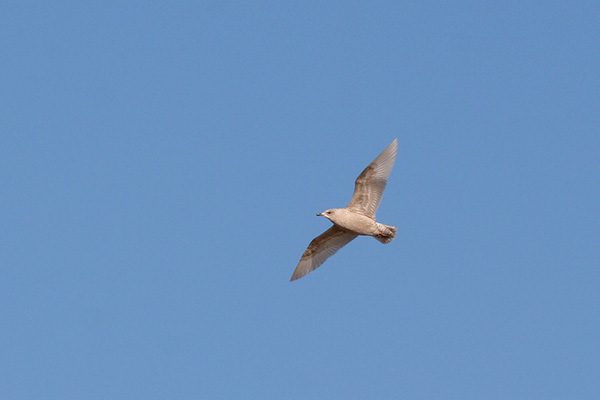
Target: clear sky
162 163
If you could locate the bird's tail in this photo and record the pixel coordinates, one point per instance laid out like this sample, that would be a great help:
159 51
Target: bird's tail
387 233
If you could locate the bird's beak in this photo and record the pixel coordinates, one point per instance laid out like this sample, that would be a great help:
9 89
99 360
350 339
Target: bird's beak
319 214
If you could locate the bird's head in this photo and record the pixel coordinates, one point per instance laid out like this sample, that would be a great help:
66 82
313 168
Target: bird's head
327 213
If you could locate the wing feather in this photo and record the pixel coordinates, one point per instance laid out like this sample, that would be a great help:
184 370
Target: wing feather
321 248
370 184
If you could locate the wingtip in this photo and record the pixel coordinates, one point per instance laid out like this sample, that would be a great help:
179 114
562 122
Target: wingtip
295 275
390 151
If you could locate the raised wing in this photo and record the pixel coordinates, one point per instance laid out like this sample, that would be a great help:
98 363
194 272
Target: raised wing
321 248
370 184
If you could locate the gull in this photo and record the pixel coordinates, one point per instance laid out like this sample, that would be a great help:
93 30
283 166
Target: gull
358 218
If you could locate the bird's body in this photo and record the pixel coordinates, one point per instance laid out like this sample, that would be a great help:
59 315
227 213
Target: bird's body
358 218
352 221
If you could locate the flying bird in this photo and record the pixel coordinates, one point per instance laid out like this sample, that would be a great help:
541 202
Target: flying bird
358 218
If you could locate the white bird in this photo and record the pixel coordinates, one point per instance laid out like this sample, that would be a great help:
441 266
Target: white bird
358 218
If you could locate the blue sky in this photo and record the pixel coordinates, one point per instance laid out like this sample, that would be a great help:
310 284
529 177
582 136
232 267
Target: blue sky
162 164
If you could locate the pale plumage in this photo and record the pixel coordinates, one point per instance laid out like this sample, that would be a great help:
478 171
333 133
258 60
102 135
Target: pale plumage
358 218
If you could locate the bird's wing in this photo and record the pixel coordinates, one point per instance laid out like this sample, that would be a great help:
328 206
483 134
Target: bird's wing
321 248
370 184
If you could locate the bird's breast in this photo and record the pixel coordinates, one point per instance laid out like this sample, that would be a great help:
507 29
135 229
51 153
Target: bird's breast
356 223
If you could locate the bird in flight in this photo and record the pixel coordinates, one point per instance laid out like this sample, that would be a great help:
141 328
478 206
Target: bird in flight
358 218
